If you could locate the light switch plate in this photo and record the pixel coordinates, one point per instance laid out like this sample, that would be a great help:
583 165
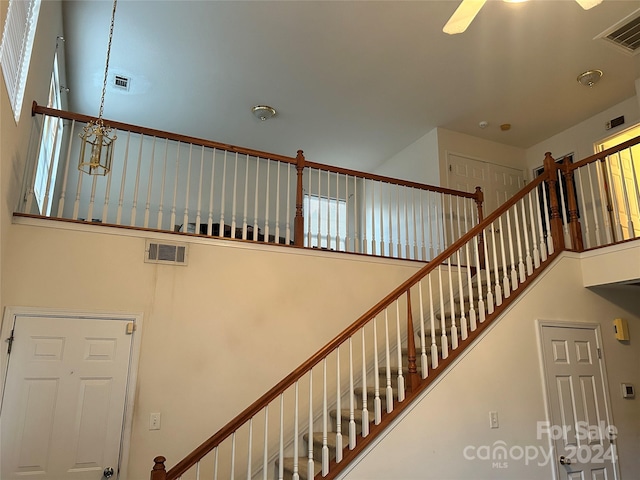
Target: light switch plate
493 420
154 421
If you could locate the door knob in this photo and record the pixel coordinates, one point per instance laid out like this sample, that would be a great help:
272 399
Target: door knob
108 472
564 460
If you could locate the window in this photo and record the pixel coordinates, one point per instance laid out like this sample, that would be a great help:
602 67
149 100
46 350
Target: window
49 148
325 222
15 50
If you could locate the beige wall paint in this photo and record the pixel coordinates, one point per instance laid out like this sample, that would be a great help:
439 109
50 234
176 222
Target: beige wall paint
218 333
580 139
503 373
618 263
416 162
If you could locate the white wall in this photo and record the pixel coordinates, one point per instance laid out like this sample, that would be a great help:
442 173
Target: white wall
208 327
502 373
416 162
580 139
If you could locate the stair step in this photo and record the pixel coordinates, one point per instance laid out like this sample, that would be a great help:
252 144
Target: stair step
303 462
318 444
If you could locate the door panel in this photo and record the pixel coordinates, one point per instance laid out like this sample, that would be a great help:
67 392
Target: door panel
577 406
65 390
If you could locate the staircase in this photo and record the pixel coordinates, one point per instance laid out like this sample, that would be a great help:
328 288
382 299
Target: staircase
328 410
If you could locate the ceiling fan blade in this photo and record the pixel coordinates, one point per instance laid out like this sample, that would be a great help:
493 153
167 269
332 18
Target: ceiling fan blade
464 15
587 4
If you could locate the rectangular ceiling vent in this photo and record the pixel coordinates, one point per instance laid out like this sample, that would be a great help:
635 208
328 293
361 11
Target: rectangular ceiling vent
121 82
166 253
625 34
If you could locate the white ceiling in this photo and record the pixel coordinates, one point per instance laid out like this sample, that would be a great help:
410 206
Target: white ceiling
354 82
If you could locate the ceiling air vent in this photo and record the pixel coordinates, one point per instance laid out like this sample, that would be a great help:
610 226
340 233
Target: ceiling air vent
625 34
167 253
121 82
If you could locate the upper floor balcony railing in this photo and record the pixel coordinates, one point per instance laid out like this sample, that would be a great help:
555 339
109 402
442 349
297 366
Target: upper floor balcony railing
173 183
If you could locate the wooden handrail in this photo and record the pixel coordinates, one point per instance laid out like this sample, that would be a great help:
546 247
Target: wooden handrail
290 379
605 153
52 112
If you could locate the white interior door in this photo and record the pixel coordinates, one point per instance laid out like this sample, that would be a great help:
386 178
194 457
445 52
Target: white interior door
64 398
580 428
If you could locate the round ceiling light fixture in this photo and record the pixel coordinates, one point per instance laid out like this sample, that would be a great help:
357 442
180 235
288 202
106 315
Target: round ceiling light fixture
590 77
263 112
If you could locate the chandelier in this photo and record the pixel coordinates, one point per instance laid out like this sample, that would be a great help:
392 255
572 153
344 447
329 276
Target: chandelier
96 150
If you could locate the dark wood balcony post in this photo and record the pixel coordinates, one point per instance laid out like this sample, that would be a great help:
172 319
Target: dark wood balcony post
551 169
479 201
574 222
413 379
158 471
298 224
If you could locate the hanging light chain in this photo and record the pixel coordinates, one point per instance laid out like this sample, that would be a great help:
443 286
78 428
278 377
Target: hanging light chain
106 67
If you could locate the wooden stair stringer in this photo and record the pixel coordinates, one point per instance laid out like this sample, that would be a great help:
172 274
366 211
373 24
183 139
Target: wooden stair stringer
348 456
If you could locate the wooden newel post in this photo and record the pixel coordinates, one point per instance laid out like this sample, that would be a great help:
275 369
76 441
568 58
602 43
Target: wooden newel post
574 223
298 223
479 201
414 379
550 168
158 471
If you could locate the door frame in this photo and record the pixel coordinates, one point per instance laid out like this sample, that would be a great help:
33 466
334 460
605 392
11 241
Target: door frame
12 313
596 327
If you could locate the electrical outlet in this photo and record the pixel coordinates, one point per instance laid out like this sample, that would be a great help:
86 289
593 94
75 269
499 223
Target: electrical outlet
154 421
493 420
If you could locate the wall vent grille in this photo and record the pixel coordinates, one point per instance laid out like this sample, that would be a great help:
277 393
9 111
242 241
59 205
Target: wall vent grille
166 253
625 34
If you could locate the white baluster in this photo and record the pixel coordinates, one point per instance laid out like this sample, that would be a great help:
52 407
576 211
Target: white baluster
162 186
355 215
514 272
365 241
365 409
521 268
398 224
265 444
496 271
233 457
185 220
424 361
625 199
593 206
255 202
415 225
452 309
175 192
318 236
604 203
211 191
389 390
443 328
233 199
478 275
432 320
147 206
199 203
266 203
325 446
122 181
105 205
431 252
338 409
534 236
223 195
547 222
215 463
543 246
377 402
310 465
198 470
352 421
328 209
287 237
245 204
401 383
373 219
296 434
525 234
406 225
423 245
487 267
63 191
563 210
134 203
307 215
249 449
277 231
634 175
92 199
281 437
338 238
390 221
381 220
583 205
473 324
464 328
505 267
